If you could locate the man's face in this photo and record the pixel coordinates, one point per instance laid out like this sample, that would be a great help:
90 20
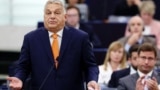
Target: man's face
54 17
146 61
73 1
133 59
72 17
136 25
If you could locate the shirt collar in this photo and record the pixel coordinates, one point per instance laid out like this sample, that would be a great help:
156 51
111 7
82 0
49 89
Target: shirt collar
132 70
142 74
140 40
77 26
59 33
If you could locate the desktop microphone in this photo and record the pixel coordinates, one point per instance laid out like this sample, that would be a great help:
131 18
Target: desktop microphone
46 77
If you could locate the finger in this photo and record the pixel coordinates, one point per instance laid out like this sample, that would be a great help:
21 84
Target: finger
9 78
96 87
140 79
15 87
11 86
90 88
151 83
153 78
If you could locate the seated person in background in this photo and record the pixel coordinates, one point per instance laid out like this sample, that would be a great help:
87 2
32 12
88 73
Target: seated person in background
136 27
146 77
73 20
115 60
132 58
81 6
127 8
152 26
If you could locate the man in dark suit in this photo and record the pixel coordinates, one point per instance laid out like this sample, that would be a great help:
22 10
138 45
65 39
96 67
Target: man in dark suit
146 77
56 57
116 75
73 20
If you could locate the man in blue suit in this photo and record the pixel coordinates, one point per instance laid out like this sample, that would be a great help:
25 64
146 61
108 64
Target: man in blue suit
67 70
132 56
73 20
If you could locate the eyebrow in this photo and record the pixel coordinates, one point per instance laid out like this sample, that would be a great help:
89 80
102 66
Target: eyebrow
58 9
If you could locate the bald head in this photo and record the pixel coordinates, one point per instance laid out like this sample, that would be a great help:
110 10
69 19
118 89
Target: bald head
136 24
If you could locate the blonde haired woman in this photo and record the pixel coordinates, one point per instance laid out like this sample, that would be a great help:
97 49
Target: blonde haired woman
115 60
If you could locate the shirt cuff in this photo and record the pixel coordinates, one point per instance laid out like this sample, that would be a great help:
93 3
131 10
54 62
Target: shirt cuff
127 47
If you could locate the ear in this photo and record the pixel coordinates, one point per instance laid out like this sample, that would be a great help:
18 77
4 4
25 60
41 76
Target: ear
129 29
143 28
65 16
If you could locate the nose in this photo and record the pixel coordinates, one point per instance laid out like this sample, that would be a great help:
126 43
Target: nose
52 15
146 61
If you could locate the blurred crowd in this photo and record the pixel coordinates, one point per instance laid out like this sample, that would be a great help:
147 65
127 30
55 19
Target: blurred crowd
123 56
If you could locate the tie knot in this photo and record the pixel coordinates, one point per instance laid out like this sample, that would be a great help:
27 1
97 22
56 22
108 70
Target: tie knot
55 36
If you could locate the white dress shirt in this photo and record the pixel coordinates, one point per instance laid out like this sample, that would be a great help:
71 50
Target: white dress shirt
132 70
147 76
59 33
105 75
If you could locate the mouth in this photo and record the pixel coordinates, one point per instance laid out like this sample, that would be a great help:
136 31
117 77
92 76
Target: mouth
52 22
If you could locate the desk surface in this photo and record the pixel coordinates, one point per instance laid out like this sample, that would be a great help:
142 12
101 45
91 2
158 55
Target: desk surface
3 76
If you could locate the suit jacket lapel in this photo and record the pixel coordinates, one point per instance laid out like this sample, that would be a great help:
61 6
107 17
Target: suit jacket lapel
46 43
65 40
157 76
135 78
128 70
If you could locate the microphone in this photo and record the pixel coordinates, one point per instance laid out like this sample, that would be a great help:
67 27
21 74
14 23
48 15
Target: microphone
46 77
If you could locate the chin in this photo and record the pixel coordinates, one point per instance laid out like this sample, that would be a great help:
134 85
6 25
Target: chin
52 26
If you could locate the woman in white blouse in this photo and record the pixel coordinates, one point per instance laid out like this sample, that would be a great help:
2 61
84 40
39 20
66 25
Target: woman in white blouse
115 60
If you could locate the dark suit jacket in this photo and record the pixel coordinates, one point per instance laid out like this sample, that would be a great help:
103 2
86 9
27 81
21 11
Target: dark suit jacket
76 60
129 82
123 9
86 27
116 75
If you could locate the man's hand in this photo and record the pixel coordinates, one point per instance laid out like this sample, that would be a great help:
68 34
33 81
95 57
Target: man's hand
133 39
93 85
152 84
15 83
139 84
137 2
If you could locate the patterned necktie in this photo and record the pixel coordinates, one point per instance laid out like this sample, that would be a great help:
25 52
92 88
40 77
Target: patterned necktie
55 49
145 86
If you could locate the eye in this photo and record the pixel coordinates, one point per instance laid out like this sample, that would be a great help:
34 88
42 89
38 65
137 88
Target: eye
120 51
132 24
48 12
139 24
58 12
143 57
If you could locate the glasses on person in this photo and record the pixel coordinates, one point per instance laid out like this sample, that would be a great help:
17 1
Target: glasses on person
72 15
147 58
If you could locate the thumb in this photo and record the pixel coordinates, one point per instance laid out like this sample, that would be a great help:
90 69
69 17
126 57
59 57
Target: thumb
93 86
9 78
154 79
